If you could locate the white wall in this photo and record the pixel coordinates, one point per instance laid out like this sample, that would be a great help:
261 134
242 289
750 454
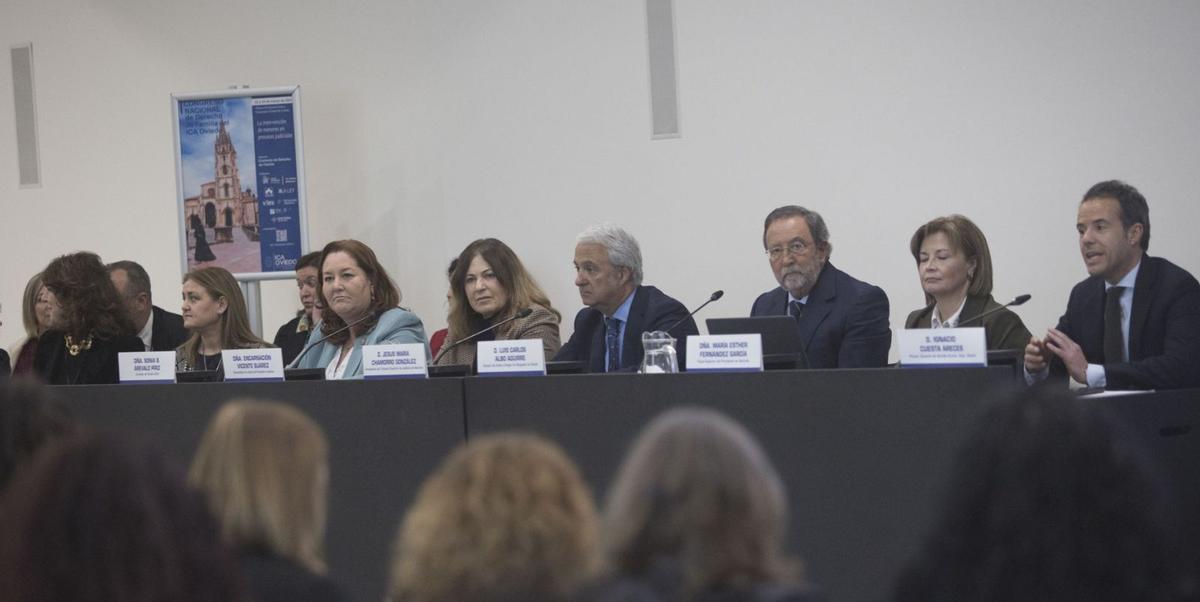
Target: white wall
429 124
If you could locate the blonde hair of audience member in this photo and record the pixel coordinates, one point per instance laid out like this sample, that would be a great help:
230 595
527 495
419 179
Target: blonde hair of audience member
219 284
520 286
696 488
265 470
506 516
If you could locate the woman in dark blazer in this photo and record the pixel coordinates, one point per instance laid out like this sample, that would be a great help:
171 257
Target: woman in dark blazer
955 268
89 324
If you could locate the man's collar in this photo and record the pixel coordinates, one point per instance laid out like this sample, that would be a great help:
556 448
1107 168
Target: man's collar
1129 279
622 312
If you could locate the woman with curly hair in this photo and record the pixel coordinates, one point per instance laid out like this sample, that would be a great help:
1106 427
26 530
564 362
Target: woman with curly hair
505 517
214 310
89 324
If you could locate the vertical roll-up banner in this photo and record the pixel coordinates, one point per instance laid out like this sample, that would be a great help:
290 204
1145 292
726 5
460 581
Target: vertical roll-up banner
239 166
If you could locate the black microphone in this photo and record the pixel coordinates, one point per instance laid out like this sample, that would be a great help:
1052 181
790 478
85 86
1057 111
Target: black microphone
524 313
296 361
716 295
1018 301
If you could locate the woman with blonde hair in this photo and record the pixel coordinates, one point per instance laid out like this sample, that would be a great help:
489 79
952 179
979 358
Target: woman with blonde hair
35 316
955 268
489 285
697 512
214 310
264 467
505 517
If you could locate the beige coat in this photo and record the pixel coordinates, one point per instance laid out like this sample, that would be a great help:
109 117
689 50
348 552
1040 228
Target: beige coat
541 324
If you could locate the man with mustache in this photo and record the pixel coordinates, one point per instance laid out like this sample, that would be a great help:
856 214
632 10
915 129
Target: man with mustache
843 321
1135 322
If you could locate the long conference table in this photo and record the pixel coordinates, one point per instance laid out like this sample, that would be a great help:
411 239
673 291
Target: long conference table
864 454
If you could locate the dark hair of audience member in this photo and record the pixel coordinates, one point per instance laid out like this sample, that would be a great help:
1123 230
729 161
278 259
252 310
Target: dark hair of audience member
29 418
90 302
505 517
1046 502
697 498
98 518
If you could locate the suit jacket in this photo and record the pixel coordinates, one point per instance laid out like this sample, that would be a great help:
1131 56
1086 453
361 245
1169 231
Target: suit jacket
5 367
1164 329
96 366
290 339
845 322
1003 329
168 332
651 310
395 325
541 324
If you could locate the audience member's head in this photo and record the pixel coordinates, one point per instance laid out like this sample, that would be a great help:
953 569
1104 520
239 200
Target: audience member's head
96 518
1046 502
83 300
29 418
264 467
505 517
35 308
697 497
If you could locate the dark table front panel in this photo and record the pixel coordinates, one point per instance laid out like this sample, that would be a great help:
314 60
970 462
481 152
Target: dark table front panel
863 453
385 437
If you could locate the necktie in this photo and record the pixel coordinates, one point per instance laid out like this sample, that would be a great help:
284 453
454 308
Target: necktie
613 340
797 309
1114 340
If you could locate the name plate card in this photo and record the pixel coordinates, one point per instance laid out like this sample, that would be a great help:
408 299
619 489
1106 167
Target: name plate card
396 360
146 367
725 353
250 365
943 347
523 357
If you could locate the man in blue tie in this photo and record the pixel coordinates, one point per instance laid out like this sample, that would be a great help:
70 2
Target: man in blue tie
1134 323
608 332
843 321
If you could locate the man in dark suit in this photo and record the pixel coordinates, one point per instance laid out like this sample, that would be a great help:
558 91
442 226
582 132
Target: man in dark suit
1134 323
608 332
159 329
843 321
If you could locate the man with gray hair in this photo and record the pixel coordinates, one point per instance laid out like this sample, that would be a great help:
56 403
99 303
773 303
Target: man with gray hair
843 322
159 329
608 332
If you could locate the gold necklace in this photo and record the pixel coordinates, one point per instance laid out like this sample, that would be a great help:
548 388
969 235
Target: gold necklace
74 348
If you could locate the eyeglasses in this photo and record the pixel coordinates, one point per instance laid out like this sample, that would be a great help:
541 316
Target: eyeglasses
796 247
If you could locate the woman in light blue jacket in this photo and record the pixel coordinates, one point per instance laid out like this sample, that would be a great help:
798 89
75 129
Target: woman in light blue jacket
361 307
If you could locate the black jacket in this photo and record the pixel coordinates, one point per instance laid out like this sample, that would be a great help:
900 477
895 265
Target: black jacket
168 332
95 366
650 310
1164 329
